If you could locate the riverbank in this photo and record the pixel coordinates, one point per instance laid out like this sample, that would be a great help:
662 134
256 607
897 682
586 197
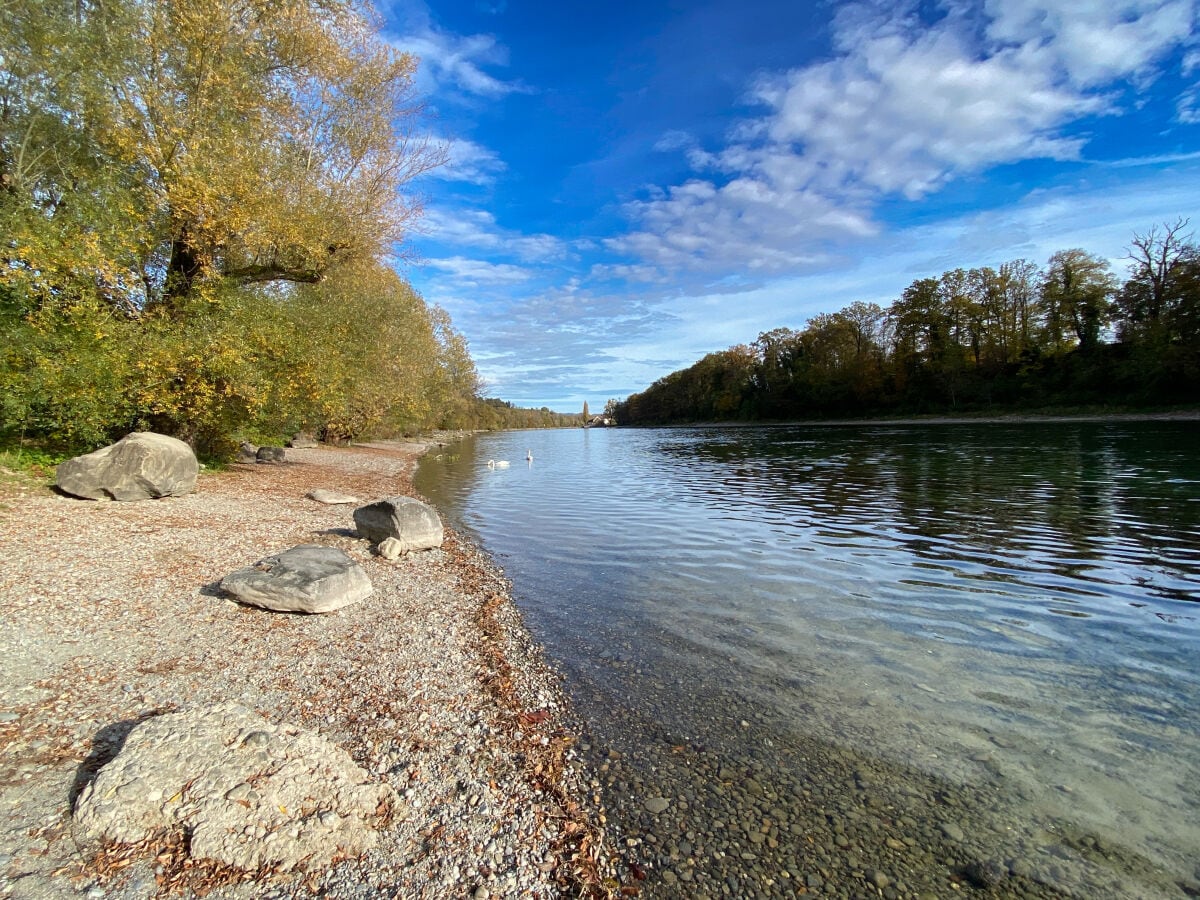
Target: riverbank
112 614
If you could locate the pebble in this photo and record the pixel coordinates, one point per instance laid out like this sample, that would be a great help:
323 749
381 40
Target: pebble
657 805
953 831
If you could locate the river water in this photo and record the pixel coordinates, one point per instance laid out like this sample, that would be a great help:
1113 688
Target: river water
876 660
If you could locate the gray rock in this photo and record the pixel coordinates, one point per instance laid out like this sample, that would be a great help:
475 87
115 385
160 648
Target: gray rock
309 578
271 454
985 873
310 803
953 831
140 466
657 805
414 523
247 452
1020 868
332 498
302 441
392 548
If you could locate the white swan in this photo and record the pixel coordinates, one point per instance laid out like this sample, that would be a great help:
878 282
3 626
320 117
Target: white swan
528 456
497 463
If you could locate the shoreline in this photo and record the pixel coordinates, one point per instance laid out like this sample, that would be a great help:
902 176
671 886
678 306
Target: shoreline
112 614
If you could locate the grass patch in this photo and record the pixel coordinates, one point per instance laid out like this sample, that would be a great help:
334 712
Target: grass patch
26 468
30 463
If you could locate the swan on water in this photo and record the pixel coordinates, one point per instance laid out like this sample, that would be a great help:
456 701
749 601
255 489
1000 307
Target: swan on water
497 463
529 456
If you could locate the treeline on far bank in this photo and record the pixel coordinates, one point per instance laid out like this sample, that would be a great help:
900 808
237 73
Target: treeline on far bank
1019 336
199 203
494 414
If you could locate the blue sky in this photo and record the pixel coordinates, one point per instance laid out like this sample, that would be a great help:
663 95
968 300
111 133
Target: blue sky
632 185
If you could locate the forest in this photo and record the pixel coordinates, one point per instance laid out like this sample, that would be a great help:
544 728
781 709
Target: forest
1017 337
200 207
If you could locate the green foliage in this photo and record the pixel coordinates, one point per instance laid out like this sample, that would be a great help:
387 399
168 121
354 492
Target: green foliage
1013 337
29 462
63 374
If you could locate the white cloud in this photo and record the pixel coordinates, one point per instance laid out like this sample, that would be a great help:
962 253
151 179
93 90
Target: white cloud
902 108
1093 41
457 62
470 162
752 222
675 140
475 272
902 114
478 229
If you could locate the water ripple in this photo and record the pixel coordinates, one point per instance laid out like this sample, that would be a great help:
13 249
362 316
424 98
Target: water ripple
1043 580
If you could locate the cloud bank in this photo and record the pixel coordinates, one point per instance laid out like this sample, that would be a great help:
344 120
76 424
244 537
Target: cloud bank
902 107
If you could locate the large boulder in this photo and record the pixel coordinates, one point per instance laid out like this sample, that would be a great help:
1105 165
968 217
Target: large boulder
308 579
302 441
140 466
271 454
249 793
413 523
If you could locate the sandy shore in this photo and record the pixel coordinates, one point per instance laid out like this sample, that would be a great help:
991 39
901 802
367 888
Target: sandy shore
111 614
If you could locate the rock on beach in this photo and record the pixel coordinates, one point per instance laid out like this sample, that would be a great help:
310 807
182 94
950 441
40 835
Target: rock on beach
141 466
307 579
232 779
415 524
331 498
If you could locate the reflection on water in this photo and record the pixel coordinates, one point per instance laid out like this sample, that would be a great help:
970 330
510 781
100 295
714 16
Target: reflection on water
1009 606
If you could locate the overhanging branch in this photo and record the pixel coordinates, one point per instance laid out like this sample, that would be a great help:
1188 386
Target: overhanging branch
258 274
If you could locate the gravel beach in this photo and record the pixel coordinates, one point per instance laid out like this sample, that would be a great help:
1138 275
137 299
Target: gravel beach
113 615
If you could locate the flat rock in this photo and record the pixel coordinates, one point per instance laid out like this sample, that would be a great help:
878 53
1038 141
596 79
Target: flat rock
250 793
332 498
309 578
657 805
302 441
140 466
415 524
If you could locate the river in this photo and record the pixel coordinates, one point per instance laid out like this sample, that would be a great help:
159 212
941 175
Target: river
874 660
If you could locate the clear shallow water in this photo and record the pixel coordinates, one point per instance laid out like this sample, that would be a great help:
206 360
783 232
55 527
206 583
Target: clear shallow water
1006 609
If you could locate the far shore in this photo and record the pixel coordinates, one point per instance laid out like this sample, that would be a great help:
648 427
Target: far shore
1016 418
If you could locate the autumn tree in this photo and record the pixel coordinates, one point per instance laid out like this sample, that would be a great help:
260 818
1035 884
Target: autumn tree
778 356
459 382
176 182
150 149
1077 293
1160 301
367 358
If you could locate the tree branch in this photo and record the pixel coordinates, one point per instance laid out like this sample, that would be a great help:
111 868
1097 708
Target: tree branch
258 274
